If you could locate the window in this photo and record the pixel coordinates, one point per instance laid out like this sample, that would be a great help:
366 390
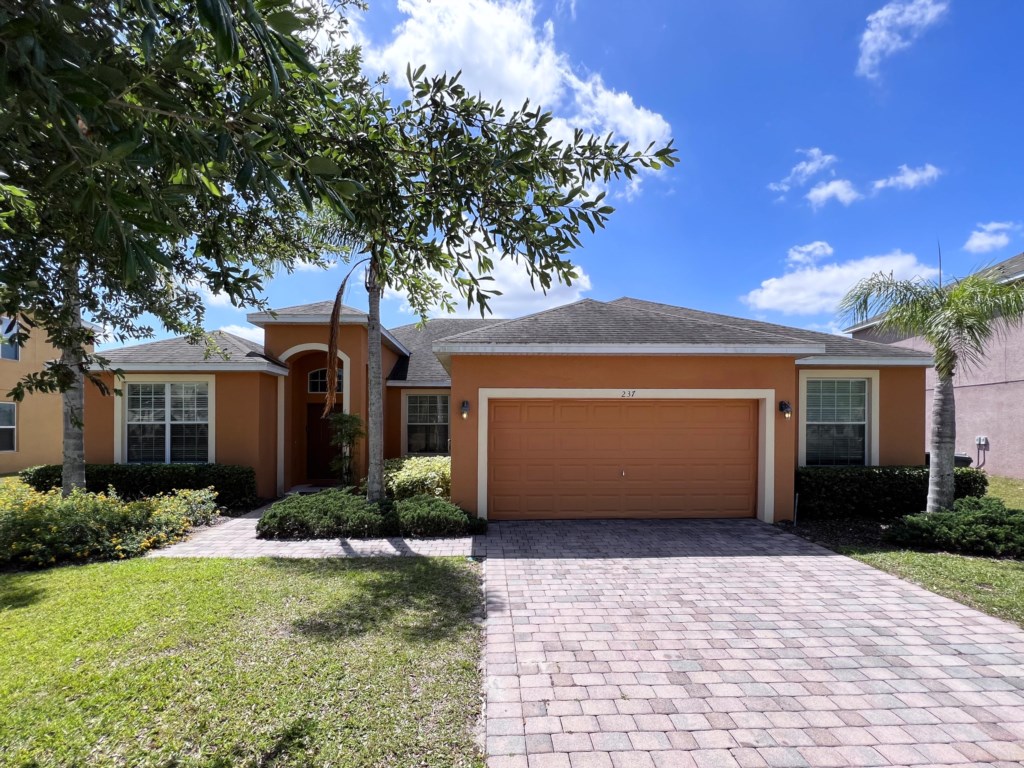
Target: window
427 424
837 418
167 423
8 349
8 426
318 381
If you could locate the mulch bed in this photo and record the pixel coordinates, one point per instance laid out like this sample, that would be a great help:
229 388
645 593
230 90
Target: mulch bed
837 533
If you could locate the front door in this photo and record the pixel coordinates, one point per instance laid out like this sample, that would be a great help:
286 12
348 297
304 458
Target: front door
319 451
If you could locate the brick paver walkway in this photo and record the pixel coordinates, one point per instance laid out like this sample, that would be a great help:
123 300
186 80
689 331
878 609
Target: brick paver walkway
236 537
691 643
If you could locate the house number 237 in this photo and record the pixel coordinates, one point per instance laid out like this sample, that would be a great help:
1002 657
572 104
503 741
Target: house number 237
629 393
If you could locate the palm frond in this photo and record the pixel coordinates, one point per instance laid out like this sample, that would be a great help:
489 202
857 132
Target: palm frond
900 306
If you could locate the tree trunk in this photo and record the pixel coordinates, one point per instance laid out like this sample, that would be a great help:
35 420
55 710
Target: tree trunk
73 406
375 418
943 446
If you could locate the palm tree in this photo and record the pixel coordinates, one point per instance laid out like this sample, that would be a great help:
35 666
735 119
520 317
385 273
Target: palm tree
957 320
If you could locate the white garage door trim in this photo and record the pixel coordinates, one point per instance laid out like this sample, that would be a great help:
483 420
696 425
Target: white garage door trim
766 427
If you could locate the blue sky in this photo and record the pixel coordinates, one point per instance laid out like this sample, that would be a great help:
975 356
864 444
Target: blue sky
818 141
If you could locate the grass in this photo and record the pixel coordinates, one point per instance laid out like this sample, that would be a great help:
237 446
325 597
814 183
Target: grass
990 585
993 586
220 663
1009 489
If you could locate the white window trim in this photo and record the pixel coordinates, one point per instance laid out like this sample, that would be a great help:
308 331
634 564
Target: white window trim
121 406
309 381
873 377
766 428
15 427
405 418
5 322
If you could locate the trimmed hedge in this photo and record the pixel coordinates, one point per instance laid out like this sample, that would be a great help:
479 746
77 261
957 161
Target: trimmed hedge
418 476
338 513
973 527
235 485
45 529
874 492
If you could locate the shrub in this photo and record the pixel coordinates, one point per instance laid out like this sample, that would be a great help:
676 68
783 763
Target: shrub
973 527
417 476
235 485
42 529
429 516
334 513
876 492
338 513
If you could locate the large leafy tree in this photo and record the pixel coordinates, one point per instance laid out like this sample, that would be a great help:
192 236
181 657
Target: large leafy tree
449 184
153 148
957 320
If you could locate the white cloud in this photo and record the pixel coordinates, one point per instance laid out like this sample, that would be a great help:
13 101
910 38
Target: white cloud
837 189
817 288
808 254
564 6
517 298
210 299
308 266
990 237
893 28
505 52
250 332
816 161
910 178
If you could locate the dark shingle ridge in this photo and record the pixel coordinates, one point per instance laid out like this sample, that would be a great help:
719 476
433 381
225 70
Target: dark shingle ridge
314 308
834 345
422 365
181 350
589 321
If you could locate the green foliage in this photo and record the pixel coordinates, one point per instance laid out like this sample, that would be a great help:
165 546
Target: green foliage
346 430
44 529
334 513
154 148
874 492
418 475
235 485
975 526
338 513
430 516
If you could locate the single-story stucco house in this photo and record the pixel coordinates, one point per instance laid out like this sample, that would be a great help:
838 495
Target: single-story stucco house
592 409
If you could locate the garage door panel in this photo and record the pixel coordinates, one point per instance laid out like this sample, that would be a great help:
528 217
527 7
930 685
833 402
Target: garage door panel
579 458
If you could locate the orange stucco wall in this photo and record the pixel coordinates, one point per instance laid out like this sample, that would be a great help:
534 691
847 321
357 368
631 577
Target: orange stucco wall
246 425
901 422
470 373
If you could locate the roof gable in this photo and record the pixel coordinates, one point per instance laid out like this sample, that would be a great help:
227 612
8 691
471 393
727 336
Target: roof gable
180 352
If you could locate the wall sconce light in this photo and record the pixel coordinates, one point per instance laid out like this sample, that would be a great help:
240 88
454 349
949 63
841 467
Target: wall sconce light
465 409
786 409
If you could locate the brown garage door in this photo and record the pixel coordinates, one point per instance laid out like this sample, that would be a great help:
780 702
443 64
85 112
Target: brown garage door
607 458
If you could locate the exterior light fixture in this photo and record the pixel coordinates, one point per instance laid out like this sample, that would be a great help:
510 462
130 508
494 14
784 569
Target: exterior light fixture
786 409
465 409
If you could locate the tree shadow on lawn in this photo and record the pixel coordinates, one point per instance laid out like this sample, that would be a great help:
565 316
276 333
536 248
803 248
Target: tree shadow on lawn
848 536
15 593
424 599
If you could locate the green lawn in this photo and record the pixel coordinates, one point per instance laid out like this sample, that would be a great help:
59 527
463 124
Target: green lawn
157 662
1008 489
993 586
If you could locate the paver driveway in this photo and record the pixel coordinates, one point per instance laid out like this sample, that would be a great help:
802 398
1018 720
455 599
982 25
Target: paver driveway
727 643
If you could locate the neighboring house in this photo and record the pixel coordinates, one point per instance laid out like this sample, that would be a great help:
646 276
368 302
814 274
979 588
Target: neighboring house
30 431
989 397
592 409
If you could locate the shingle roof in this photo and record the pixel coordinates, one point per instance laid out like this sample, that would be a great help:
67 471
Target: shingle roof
835 346
590 322
315 312
422 366
179 351
1013 267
